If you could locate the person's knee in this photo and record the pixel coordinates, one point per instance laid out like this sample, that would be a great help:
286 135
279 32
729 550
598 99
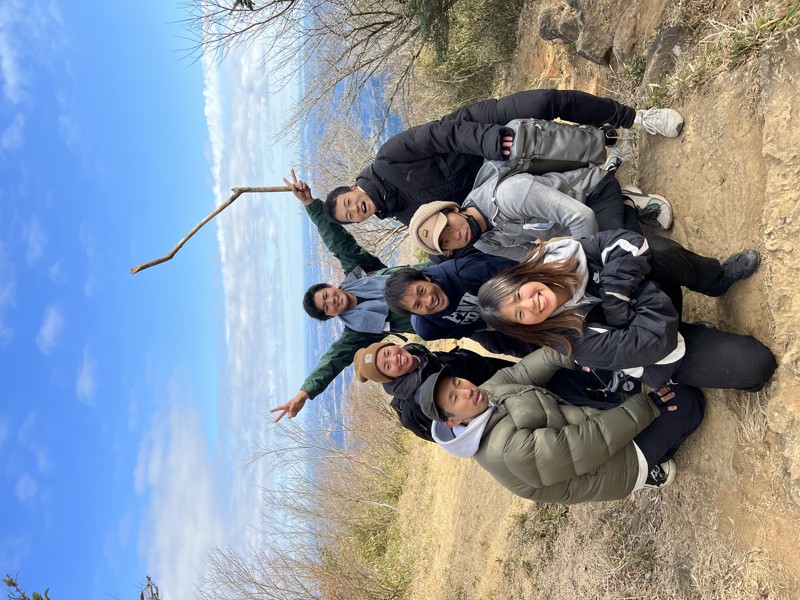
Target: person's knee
762 365
691 406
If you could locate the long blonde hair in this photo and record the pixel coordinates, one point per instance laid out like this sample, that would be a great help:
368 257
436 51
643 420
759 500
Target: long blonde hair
556 331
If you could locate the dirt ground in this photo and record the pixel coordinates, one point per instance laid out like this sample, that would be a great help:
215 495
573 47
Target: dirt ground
729 527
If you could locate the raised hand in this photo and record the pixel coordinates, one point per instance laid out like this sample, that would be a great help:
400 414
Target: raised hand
300 190
293 406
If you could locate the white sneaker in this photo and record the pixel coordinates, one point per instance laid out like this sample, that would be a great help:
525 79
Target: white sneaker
660 121
652 209
619 153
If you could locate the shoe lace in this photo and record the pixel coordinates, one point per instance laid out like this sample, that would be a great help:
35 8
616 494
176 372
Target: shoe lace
649 214
657 474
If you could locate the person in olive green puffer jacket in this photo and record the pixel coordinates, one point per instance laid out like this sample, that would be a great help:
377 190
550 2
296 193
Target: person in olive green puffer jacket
542 448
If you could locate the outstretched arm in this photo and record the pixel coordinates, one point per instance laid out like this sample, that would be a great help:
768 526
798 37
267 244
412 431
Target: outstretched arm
333 362
336 238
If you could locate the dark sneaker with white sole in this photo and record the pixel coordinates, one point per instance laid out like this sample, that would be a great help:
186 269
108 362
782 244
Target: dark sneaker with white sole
651 209
739 266
661 475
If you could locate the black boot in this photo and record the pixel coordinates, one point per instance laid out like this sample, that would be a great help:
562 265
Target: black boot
739 266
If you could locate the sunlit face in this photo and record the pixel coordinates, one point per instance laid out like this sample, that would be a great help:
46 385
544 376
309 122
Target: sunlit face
353 206
459 397
532 303
456 234
333 301
395 361
424 298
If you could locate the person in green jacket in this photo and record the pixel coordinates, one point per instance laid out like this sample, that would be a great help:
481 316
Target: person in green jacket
358 301
543 448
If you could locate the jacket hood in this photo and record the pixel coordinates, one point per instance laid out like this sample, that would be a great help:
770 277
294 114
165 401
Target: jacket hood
564 249
381 192
462 441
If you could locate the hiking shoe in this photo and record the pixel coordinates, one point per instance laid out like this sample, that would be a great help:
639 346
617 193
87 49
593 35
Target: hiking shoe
660 121
739 266
619 154
652 209
706 324
661 475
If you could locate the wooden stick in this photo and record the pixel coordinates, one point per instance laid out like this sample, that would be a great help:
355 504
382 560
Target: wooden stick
236 193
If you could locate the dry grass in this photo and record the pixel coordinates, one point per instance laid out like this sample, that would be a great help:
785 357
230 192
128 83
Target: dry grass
472 539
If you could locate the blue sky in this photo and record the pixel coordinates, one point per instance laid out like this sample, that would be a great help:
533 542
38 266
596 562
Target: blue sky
129 403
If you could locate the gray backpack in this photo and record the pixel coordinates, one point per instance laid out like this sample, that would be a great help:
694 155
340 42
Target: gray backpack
547 146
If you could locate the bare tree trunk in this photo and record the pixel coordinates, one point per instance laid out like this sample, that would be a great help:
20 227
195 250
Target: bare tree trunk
236 193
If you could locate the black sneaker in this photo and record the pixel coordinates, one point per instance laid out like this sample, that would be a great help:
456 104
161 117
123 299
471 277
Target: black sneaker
661 475
739 266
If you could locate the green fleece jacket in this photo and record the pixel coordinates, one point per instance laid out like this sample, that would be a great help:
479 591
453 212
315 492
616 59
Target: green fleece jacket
350 255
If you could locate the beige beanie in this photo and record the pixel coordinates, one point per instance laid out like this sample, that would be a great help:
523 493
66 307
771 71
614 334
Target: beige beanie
427 224
365 363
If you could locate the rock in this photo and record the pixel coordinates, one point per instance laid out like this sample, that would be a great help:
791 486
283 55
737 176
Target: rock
559 24
663 54
569 27
627 34
594 42
548 24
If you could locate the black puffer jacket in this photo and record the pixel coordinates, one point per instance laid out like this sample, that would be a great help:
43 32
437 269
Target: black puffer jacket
439 160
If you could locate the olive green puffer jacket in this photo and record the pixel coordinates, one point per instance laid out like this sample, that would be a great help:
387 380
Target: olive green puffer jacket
542 448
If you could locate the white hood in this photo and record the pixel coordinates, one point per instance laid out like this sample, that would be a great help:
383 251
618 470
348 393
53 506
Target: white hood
462 441
563 249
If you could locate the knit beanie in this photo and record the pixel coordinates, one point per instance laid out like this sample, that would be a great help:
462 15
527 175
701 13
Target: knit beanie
427 224
365 363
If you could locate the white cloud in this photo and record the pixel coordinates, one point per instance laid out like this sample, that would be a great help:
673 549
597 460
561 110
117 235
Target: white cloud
26 488
11 70
12 135
186 515
85 384
56 271
36 239
52 324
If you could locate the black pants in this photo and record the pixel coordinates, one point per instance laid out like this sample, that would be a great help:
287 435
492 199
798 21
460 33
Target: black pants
718 359
674 266
567 105
713 359
663 437
605 200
